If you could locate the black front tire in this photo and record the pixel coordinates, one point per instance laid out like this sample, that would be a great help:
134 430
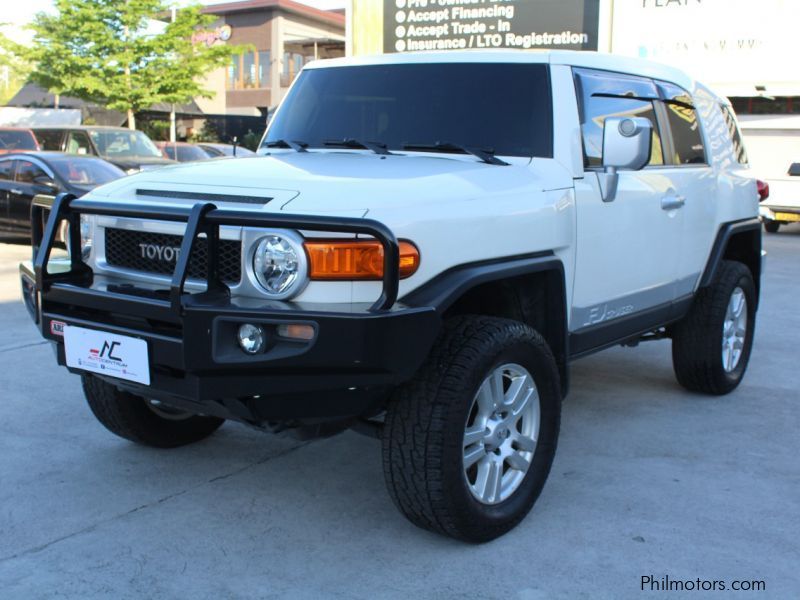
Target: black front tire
697 339
130 417
423 436
771 226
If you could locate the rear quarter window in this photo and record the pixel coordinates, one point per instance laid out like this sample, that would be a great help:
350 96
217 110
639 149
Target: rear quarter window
734 135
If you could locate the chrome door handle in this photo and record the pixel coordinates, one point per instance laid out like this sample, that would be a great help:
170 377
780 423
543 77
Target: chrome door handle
672 202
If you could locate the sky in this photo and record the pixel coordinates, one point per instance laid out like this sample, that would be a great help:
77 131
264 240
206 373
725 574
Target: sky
15 15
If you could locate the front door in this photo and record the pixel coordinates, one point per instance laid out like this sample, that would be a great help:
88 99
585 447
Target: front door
30 179
628 250
6 183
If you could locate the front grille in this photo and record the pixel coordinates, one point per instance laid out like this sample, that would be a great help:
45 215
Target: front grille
124 249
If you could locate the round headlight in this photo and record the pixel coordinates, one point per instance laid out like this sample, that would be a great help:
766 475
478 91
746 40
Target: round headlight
279 265
86 237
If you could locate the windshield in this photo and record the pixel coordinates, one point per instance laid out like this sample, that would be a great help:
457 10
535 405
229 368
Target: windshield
17 140
124 144
493 106
86 172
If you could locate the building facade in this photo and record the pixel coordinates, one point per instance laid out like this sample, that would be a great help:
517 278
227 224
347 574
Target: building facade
281 36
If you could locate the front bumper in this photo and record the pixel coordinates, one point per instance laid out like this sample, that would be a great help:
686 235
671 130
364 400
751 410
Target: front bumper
357 355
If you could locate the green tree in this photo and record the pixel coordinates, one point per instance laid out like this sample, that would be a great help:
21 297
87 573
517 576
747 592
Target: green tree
107 51
13 69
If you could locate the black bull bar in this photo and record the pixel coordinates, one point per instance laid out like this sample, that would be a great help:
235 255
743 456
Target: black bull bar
201 218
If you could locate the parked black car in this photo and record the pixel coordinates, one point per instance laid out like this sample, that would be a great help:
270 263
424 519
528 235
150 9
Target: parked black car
182 151
24 175
215 150
129 149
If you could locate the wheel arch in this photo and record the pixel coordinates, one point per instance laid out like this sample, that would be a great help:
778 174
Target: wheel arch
739 241
530 289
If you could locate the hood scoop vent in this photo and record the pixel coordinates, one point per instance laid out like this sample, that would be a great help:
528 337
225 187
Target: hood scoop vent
204 197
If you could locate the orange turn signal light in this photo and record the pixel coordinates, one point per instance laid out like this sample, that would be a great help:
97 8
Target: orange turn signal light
339 260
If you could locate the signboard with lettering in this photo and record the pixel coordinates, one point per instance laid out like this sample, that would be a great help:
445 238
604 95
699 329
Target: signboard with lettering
413 25
216 36
737 46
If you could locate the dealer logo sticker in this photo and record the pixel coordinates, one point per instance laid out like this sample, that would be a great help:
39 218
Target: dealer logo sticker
57 328
107 351
110 354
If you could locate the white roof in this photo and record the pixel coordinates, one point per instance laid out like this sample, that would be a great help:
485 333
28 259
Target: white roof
591 60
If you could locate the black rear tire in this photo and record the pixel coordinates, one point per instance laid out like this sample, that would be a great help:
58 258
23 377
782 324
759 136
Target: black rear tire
771 226
697 339
423 436
131 417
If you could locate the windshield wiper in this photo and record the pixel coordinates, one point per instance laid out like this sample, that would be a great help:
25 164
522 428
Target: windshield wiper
293 144
376 147
486 155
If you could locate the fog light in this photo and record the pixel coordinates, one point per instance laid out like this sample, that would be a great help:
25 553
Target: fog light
251 338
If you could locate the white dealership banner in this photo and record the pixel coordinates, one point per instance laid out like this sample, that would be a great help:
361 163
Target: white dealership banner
740 47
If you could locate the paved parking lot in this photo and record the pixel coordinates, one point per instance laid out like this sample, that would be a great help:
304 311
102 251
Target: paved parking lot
649 479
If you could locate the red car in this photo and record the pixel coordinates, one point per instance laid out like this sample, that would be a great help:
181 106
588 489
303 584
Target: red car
17 139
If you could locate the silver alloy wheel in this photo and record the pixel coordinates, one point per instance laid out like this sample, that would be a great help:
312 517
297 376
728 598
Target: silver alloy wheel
501 433
734 330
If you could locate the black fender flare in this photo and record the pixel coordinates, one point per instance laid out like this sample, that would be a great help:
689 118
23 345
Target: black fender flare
444 290
749 254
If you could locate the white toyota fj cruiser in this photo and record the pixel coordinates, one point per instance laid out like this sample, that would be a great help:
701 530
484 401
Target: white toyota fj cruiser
424 244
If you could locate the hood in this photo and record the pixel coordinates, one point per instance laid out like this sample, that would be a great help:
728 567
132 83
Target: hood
323 182
139 162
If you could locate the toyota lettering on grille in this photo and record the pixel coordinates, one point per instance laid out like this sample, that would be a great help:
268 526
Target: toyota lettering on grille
158 252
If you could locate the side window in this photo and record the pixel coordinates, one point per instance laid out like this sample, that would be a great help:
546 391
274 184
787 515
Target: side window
27 172
78 143
602 95
6 170
49 139
169 150
687 139
735 135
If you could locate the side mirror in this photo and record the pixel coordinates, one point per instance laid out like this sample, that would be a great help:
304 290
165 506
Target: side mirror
626 146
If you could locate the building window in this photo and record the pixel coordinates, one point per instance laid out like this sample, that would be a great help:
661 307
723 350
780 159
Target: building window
234 72
263 69
249 71
292 63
